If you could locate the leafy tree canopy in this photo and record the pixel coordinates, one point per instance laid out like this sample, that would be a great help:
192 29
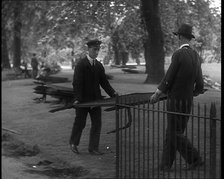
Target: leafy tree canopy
49 26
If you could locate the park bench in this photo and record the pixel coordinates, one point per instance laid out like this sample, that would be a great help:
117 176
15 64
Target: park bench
124 66
19 73
63 94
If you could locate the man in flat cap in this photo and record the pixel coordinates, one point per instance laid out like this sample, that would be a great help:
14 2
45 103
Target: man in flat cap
89 75
182 81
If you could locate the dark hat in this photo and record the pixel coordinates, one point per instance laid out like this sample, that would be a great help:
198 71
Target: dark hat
94 43
185 30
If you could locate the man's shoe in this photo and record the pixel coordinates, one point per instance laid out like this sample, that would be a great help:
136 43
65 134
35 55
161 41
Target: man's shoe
74 148
165 168
195 165
95 152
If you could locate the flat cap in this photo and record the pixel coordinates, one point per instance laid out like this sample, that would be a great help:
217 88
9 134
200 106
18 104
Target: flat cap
93 43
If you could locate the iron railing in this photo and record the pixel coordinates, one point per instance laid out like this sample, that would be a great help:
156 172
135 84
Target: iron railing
139 147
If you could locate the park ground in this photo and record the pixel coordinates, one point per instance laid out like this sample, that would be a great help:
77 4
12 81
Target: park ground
37 144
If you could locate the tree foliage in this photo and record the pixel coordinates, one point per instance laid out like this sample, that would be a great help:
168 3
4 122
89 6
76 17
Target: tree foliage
50 27
198 13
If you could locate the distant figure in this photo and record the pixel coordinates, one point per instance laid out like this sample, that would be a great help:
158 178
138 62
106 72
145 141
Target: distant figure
42 65
44 73
182 81
25 70
89 76
42 76
34 64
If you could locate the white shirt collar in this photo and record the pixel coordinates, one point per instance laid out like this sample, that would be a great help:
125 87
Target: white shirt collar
90 59
183 45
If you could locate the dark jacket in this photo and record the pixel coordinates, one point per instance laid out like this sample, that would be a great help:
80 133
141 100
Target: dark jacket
34 63
87 80
184 75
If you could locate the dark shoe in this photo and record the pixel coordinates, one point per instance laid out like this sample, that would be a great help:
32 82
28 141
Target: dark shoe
95 152
74 148
165 168
195 165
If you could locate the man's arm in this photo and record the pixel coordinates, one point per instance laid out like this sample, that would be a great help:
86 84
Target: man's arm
155 97
199 83
168 79
78 82
170 75
104 83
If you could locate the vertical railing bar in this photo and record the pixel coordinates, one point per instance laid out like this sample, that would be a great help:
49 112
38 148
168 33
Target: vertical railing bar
175 139
210 163
139 129
220 135
205 131
134 142
210 156
125 139
144 142
158 138
117 138
121 141
213 140
192 132
153 117
181 103
167 127
164 122
130 139
148 140
186 132
198 135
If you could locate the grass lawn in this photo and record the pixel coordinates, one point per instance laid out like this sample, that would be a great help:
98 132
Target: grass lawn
51 132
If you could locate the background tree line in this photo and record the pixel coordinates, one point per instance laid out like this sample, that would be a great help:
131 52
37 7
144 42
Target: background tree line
58 30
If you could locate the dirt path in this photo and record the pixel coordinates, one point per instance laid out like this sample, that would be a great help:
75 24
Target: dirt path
50 132
41 150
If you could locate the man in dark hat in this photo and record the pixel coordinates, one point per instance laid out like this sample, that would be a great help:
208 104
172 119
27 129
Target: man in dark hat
89 75
182 81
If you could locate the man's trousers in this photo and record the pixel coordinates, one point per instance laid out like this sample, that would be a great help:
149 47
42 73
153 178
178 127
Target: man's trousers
175 140
80 123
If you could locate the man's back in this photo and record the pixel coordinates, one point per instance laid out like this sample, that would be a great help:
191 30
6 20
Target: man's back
188 62
183 73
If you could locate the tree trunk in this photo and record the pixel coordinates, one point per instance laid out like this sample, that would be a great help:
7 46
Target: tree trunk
114 39
5 55
121 55
116 55
154 52
17 35
124 56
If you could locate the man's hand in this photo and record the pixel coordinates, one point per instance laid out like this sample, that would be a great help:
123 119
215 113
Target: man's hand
155 97
116 93
75 102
